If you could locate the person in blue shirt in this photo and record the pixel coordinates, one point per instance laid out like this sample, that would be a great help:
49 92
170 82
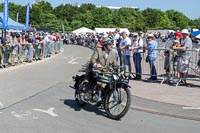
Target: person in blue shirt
152 53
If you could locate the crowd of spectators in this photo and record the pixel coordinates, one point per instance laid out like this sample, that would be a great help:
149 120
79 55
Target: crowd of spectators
133 46
16 48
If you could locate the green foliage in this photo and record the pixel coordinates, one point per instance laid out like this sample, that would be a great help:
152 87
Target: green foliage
195 23
72 17
178 19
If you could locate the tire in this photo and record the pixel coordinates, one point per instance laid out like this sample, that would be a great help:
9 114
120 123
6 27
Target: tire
78 92
115 97
78 100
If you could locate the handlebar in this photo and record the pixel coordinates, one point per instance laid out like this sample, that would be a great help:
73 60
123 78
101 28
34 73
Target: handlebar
109 69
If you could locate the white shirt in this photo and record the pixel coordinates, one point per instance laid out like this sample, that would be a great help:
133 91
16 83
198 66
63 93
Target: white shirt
117 36
125 42
47 40
136 44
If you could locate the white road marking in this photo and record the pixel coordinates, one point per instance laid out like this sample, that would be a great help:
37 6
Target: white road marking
191 108
23 115
1 105
1 112
49 111
72 61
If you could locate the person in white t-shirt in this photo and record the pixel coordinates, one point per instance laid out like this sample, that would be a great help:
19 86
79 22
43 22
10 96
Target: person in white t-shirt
124 47
117 39
137 48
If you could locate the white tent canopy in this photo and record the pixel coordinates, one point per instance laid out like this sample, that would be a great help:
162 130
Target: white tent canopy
104 30
83 30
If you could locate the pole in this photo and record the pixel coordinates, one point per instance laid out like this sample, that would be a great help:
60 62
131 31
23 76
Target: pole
2 33
17 19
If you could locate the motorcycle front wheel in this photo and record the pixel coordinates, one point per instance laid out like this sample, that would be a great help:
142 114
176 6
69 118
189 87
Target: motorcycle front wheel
117 102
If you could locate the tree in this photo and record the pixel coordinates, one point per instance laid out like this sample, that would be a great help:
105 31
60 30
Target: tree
14 9
87 19
195 23
75 24
102 17
87 7
42 14
178 19
128 18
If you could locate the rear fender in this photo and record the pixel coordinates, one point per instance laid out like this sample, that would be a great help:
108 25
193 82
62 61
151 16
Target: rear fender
78 77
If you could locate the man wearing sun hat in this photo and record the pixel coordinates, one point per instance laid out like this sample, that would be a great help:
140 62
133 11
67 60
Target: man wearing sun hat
184 55
152 54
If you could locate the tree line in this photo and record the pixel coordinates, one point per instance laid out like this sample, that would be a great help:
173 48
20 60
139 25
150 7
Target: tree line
42 14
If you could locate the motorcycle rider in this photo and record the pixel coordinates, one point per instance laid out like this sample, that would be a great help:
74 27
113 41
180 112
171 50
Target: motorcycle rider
104 56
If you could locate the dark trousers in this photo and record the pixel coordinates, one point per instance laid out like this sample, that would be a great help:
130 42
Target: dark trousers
6 56
36 52
137 58
153 69
119 56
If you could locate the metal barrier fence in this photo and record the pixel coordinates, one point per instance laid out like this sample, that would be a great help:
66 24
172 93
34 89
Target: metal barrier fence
193 72
16 54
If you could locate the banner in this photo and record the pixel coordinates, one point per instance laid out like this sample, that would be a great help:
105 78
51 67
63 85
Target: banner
27 15
5 13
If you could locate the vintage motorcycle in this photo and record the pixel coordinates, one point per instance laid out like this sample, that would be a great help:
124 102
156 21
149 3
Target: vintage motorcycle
107 87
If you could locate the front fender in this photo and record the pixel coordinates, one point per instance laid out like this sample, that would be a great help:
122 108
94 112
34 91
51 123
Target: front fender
123 84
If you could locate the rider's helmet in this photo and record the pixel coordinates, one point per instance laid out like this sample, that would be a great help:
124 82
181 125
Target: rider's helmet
107 41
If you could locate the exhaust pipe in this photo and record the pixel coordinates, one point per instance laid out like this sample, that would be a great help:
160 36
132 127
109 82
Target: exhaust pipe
93 104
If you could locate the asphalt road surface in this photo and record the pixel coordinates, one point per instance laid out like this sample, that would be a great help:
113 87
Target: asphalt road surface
37 99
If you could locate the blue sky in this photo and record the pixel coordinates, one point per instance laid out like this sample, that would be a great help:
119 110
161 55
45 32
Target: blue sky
189 7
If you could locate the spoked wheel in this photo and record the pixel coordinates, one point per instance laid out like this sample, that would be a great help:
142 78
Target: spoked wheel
78 100
117 102
79 85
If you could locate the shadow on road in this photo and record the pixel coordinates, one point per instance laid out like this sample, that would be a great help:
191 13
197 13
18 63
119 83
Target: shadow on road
97 110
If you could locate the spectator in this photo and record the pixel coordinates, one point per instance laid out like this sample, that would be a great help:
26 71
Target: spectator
175 58
99 41
1 54
137 47
167 64
19 39
117 40
14 48
7 50
47 45
29 42
198 63
152 54
184 56
124 47
36 45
